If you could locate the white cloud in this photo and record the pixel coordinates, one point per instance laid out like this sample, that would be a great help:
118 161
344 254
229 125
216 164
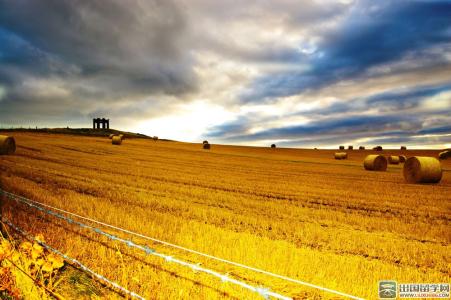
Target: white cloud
441 101
187 122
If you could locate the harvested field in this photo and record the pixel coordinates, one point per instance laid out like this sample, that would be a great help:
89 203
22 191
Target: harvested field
294 212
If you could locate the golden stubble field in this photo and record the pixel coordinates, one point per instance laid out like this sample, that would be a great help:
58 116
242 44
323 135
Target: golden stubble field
294 212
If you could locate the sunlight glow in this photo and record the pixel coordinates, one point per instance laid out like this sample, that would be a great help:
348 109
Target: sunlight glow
188 122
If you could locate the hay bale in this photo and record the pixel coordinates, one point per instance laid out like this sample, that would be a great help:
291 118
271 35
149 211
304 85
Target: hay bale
122 136
393 160
206 146
444 154
341 155
378 148
361 148
7 145
111 136
341 147
273 146
155 138
402 158
403 148
117 140
350 147
375 162
422 169
205 142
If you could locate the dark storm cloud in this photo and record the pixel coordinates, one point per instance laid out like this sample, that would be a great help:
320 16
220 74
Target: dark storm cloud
401 99
405 138
367 39
239 127
411 95
436 130
331 127
19 59
101 37
103 51
349 119
374 130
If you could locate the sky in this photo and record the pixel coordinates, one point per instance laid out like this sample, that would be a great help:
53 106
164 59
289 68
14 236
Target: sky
295 73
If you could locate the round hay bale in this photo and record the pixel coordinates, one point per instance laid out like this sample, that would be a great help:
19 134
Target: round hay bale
205 142
403 148
111 136
350 147
341 147
444 154
393 159
402 158
422 169
117 140
206 146
155 138
7 145
378 148
273 146
341 155
375 162
361 148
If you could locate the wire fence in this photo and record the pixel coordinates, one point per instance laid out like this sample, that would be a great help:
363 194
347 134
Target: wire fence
73 261
264 292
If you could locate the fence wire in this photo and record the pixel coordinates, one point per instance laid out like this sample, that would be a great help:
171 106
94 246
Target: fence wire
266 293
73 261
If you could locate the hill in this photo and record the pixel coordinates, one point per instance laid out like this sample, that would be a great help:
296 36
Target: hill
78 131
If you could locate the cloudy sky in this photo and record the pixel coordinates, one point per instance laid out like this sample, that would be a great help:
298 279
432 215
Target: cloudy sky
297 73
